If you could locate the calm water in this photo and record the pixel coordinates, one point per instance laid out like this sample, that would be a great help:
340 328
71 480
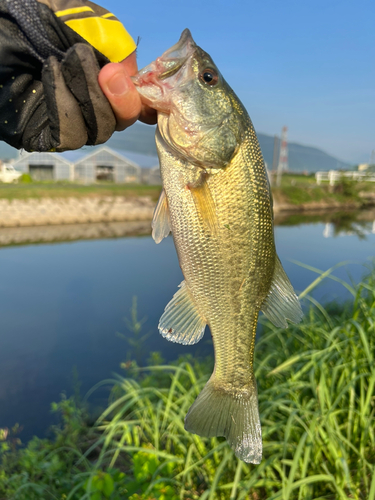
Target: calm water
61 305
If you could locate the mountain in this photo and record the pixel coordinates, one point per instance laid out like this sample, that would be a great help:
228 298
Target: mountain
140 138
301 158
7 152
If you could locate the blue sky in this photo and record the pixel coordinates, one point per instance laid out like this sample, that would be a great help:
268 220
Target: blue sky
309 65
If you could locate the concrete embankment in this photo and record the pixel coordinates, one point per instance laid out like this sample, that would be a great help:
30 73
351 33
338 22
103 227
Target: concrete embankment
56 220
59 211
46 211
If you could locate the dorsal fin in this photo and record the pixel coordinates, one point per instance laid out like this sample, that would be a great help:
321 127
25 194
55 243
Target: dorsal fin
281 302
181 321
161 224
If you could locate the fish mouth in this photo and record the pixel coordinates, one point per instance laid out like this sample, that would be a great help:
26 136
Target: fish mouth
151 81
175 57
170 62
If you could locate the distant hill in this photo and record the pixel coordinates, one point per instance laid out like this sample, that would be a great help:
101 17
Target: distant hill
140 138
7 152
302 158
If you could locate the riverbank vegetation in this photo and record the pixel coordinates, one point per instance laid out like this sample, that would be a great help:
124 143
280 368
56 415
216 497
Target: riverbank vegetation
316 384
295 190
303 189
63 189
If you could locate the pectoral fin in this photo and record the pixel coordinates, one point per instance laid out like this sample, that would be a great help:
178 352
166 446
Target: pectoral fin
205 205
281 303
161 224
181 321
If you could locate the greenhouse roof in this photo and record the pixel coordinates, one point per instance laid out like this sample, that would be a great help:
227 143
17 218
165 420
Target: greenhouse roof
144 161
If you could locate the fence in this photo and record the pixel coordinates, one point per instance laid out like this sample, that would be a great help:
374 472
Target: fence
333 176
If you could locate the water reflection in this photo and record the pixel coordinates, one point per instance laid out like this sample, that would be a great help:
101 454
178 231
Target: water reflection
359 223
72 232
361 230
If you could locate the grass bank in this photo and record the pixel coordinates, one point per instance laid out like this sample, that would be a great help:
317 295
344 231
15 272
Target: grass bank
40 190
295 191
316 384
302 190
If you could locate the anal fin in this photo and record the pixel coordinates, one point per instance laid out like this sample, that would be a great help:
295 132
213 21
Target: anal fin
181 321
281 302
161 224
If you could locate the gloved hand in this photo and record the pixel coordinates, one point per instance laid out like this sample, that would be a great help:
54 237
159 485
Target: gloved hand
51 52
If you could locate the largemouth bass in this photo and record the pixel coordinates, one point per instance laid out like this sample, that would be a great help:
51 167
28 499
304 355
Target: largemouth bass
216 201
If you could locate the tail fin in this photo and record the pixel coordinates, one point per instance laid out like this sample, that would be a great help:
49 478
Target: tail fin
217 412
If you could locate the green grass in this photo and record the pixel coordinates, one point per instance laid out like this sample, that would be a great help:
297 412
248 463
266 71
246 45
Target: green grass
316 384
298 189
317 404
69 189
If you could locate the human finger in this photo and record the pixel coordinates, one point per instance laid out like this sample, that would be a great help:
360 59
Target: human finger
115 82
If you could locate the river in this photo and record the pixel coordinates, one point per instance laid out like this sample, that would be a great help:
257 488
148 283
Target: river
63 300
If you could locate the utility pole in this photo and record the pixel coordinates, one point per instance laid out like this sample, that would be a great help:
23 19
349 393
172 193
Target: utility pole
283 158
274 159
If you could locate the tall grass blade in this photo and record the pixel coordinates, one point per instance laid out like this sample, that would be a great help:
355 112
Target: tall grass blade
323 275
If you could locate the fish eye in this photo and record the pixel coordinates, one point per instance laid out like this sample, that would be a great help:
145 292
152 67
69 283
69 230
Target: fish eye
209 76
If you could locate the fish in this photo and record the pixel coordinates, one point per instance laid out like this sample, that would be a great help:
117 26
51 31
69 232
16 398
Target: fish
216 202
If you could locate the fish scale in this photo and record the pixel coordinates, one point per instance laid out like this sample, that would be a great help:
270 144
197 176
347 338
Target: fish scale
216 201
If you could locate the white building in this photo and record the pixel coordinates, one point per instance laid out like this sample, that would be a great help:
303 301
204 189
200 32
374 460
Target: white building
154 177
45 166
89 165
106 164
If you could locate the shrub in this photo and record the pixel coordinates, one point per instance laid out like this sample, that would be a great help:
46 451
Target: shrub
25 179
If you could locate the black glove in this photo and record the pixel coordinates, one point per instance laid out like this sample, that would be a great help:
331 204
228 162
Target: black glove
50 99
